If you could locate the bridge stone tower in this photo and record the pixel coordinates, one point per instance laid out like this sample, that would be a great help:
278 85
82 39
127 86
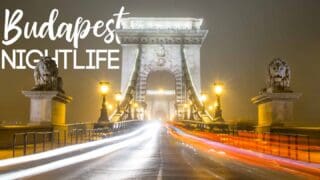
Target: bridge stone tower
161 42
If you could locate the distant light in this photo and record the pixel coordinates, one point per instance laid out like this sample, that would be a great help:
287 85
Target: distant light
161 92
215 104
204 97
135 105
118 97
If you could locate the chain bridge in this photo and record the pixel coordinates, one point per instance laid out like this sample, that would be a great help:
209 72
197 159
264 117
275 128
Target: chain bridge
171 45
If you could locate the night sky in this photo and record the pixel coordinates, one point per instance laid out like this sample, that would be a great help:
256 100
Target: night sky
244 36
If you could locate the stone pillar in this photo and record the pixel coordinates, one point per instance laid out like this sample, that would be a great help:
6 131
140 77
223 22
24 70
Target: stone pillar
274 109
47 107
275 102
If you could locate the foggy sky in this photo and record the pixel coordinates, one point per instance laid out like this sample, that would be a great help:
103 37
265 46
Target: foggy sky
244 36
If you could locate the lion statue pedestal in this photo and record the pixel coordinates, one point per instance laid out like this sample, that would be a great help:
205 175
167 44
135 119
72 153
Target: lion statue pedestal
274 109
47 107
47 98
276 101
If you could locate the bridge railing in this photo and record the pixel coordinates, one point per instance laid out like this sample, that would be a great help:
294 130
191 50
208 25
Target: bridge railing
292 146
203 126
24 143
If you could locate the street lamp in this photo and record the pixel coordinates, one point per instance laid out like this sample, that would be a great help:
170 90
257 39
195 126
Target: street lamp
210 108
218 90
203 99
104 88
118 98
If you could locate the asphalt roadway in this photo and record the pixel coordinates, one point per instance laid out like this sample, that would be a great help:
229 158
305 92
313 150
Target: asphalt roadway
161 156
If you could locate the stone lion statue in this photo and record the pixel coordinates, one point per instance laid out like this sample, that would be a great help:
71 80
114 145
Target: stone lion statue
278 77
46 76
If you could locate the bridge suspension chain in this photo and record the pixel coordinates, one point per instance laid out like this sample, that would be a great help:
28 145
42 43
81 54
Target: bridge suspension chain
124 110
198 113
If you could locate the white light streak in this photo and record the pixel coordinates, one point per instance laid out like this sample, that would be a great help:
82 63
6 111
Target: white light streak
68 149
138 159
148 130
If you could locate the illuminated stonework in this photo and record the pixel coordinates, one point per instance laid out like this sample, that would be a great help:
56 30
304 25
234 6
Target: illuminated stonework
161 23
161 42
276 102
161 31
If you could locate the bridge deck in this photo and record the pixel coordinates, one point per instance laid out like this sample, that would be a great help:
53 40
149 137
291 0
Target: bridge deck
162 157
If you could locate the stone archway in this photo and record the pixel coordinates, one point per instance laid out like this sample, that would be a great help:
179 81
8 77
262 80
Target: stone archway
151 61
160 95
159 43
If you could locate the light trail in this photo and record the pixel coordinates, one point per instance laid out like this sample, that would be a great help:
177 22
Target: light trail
149 131
247 156
65 150
297 147
133 162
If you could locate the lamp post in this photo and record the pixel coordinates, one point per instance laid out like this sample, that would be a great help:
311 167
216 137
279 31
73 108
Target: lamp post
185 107
118 98
135 112
211 108
218 89
104 89
129 111
143 114
203 99
191 111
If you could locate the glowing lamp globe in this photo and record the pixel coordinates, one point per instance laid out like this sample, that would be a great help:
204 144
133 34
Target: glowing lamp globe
218 89
104 87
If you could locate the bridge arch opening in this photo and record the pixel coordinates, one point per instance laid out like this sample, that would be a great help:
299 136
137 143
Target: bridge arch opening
160 95
161 80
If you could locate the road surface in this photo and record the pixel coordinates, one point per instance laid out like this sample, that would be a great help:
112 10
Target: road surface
160 156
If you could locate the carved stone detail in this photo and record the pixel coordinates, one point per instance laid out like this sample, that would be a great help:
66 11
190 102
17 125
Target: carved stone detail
161 37
278 77
46 76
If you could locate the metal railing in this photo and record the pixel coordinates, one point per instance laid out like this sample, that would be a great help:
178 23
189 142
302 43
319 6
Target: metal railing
33 142
292 146
200 125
